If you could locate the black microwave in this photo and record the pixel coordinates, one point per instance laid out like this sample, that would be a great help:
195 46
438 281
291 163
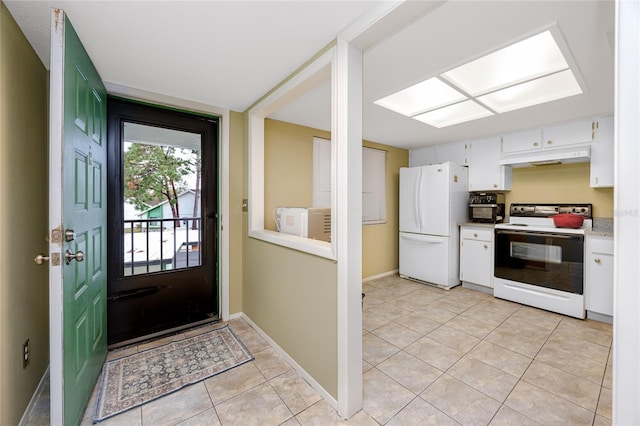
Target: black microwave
486 207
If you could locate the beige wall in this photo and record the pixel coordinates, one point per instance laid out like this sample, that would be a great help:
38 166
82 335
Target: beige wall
24 294
292 296
289 182
567 183
288 166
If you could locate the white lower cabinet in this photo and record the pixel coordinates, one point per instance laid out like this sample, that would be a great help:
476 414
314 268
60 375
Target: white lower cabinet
476 255
599 275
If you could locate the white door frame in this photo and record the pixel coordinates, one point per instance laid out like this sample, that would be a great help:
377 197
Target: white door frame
56 120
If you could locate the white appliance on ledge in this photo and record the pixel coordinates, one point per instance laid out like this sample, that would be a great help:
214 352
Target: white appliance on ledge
306 222
539 264
433 200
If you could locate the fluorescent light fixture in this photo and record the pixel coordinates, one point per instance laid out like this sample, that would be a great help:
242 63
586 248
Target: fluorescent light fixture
424 96
546 89
454 114
534 57
530 72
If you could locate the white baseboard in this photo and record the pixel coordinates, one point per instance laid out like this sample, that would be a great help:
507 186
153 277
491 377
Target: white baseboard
301 371
236 316
382 275
34 398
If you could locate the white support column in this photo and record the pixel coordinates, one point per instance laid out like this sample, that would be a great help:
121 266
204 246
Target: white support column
347 135
626 315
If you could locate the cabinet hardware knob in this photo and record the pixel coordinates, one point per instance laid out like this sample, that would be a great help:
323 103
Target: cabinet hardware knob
535 144
475 235
597 260
495 185
486 246
549 142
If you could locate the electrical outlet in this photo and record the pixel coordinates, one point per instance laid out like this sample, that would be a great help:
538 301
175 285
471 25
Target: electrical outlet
26 355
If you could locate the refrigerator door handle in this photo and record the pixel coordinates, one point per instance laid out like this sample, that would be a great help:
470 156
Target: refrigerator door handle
416 204
423 238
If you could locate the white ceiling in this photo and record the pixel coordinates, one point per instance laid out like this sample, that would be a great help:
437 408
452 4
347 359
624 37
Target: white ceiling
230 53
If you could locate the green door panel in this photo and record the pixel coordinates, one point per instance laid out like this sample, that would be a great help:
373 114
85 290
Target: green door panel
84 212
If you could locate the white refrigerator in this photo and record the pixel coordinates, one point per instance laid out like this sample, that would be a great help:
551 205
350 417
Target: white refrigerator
433 201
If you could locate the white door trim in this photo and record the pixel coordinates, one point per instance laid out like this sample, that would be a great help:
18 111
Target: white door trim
56 124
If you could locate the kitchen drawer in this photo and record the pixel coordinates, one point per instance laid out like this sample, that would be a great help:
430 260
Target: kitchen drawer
601 245
481 234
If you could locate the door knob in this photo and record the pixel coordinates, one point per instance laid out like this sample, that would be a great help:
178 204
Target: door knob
69 256
40 259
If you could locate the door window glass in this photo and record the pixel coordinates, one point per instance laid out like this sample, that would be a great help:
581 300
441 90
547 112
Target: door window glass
162 199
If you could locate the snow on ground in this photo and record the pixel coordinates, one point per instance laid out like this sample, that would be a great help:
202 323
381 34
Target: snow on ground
169 240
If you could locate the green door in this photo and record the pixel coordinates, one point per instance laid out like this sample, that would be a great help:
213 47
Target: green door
78 224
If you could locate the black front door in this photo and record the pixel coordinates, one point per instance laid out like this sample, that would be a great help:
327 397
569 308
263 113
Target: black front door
163 210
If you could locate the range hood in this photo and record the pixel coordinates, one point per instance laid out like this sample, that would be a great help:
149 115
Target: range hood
547 156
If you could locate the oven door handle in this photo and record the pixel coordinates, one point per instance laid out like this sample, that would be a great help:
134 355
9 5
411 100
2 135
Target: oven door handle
539 234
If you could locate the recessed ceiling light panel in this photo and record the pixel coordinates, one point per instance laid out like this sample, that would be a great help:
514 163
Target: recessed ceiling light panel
454 114
531 58
424 96
546 89
529 72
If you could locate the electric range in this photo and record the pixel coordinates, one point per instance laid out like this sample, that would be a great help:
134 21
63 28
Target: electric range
539 264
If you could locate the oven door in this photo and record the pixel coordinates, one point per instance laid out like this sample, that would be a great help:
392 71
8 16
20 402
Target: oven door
543 259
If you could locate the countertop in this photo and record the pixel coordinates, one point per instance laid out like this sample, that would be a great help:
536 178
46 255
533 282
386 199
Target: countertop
478 224
602 227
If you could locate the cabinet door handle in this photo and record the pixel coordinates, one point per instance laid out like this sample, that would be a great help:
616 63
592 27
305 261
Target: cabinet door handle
486 246
535 144
549 142
597 260
495 185
475 235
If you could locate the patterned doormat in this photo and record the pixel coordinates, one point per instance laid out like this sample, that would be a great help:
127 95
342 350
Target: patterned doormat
132 380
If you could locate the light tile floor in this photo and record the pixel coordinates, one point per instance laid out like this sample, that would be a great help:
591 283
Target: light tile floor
430 356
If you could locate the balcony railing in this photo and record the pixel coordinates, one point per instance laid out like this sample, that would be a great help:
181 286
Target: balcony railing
154 245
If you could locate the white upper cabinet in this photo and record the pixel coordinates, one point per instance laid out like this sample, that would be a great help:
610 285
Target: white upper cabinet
522 141
485 171
602 154
549 137
580 132
422 156
454 152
